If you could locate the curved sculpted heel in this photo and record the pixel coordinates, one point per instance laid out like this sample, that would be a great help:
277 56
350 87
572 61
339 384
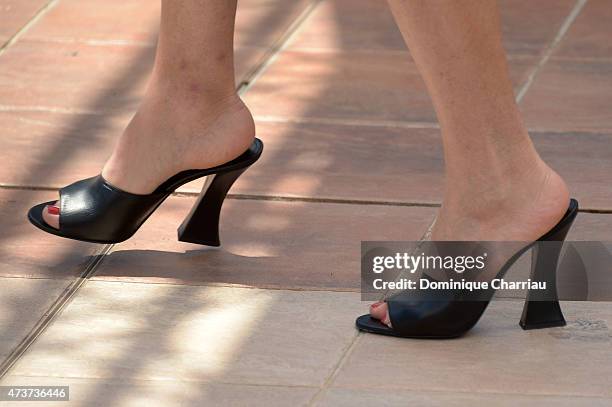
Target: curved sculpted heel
201 226
542 314
542 309
93 210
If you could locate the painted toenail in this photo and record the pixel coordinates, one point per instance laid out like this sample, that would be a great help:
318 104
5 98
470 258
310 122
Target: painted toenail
53 210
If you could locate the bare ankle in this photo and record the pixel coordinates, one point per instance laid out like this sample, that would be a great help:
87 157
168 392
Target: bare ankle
192 93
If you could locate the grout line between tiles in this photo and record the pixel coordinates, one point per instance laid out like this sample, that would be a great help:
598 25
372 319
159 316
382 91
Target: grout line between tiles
488 392
51 109
265 287
94 42
345 122
54 310
335 371
281 198
578 7
37 16
304 199
174 380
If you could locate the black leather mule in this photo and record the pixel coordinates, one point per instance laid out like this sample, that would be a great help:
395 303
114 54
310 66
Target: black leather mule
92 210
453 313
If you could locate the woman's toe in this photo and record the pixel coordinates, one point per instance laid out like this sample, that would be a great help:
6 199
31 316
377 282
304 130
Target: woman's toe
51 215
380 311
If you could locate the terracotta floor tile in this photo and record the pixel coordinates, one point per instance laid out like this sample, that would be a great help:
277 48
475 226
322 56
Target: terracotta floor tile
366 86
246 60
528 27
258 23
349 397
82 78
350 25
55 149
495 357
74 76
262 23
163 393
596 229
569 95
26 251
592 226
265 244
589 36
14 14
130 331
23 301
347 162
90 20
584 160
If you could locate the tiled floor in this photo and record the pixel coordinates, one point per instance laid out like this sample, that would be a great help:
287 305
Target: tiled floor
352 153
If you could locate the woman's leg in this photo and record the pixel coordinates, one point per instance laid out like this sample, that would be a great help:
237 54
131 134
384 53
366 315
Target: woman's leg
497 187
190 116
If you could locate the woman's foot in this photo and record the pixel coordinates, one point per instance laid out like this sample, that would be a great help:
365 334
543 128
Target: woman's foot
522 206
172 134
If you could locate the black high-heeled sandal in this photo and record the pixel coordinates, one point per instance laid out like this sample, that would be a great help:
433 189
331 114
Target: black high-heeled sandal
452 315
94 211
